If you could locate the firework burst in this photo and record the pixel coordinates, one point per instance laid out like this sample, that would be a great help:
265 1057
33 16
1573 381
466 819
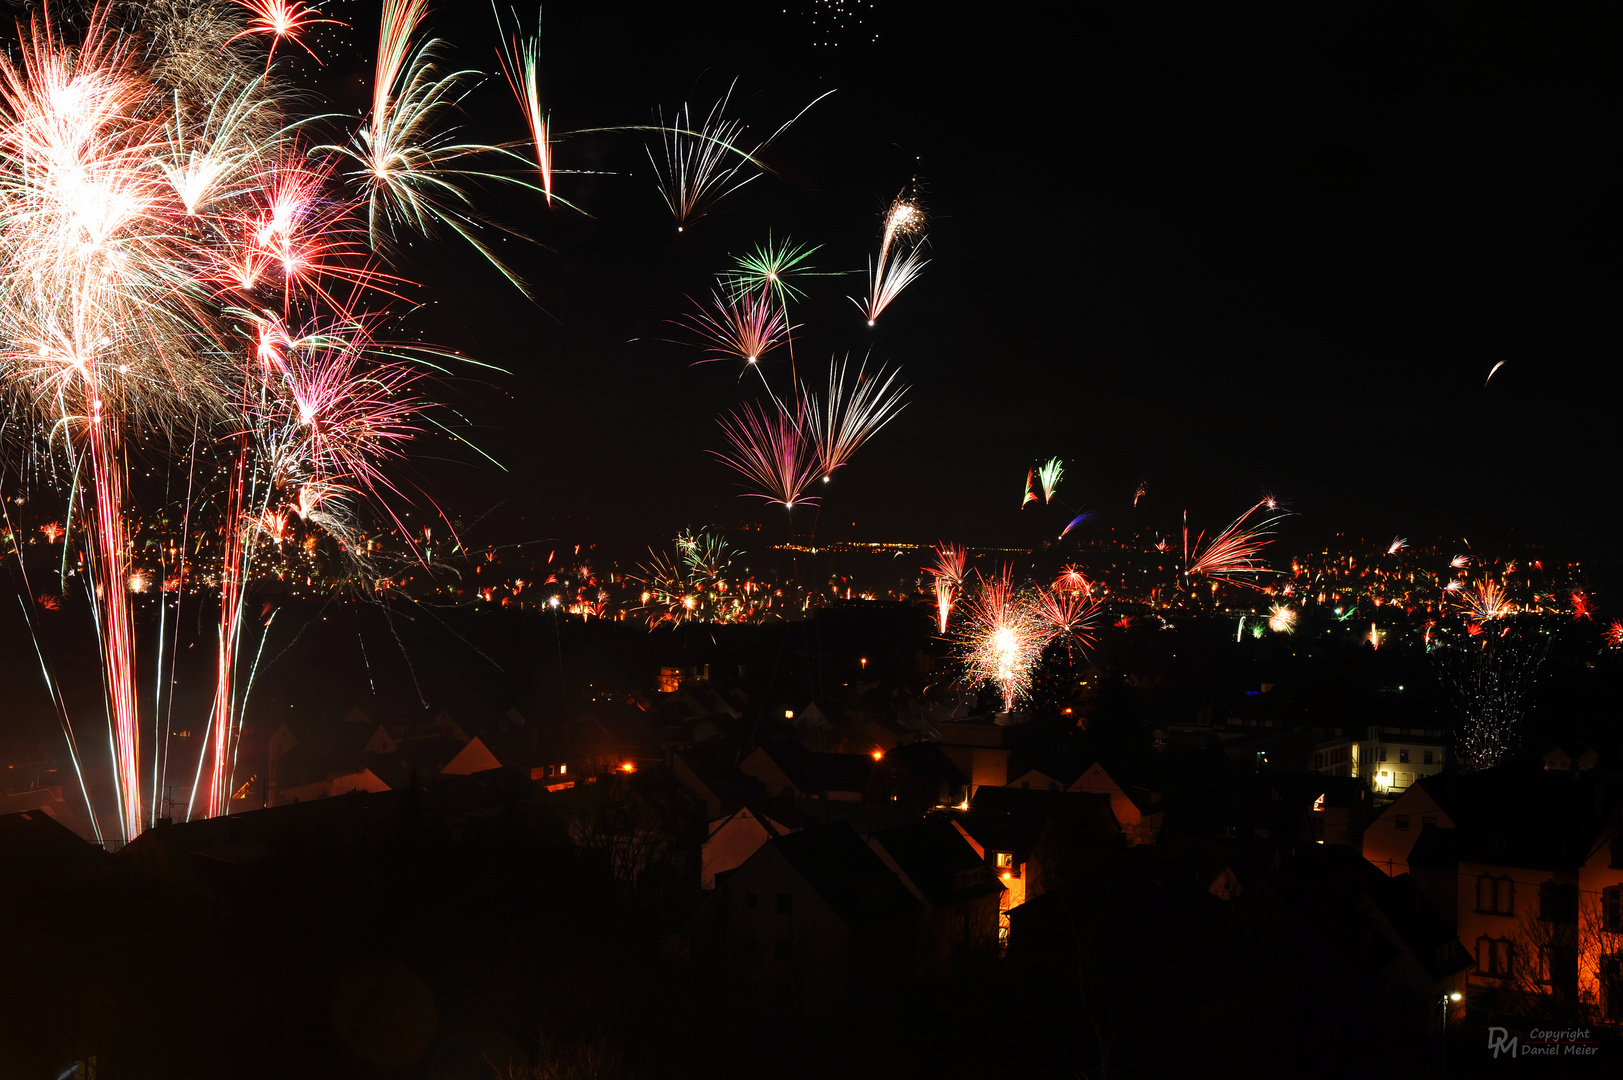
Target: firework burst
1486 602
1232 556
770 451
1282 619
1048 476
744 327
841 422
282 20
1001 636
948 571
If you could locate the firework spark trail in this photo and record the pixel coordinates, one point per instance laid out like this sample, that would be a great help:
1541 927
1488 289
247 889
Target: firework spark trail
282 19
705 166
769 450
521 64
1048 476
745 327
1460 562
1070 614
1140 491
1079 519
147 209
1398 544
948 571
1030 496
887 280
406 163
1232 555
840 423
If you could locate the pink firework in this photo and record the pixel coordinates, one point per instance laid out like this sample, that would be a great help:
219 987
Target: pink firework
745 328
282 20
1582 606
770 451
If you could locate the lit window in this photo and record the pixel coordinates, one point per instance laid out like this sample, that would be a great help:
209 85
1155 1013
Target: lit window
1005 860
563 770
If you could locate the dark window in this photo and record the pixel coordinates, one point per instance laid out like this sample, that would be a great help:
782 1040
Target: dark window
752 899
1611 910
1493 957
782 948
1428 757
1383 753
1402 822
1558 903
1561 966
1495 895
1403 756
786 903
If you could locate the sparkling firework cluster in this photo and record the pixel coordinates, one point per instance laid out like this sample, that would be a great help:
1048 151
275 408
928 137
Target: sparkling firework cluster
186 272
1004 629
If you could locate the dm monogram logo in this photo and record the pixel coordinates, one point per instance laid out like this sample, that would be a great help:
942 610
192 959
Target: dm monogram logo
1500 1039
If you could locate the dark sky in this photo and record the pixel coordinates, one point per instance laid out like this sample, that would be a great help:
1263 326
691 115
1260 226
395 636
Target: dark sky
1222 248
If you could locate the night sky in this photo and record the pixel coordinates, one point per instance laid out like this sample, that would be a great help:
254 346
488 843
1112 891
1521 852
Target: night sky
1223 252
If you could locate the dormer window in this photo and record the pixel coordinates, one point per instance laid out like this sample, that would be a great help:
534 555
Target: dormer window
1005 860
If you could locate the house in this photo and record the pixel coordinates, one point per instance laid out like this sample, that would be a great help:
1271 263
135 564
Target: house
1029 838
1138 809
1558 760
786 766
1389 837
1392 759
610 735
817 922
733 839
917 776
713 779
1528 865
981 747
961 898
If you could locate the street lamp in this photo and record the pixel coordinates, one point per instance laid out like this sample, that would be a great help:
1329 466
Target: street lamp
1444 1001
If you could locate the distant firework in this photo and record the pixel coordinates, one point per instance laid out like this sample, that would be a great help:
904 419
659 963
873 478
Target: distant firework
948 571
1397 545
1232 556
1582 606
1049 475
1490 677
1282 619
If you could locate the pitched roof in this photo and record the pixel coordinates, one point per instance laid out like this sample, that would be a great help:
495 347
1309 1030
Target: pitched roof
1011 819
849 877
938 860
